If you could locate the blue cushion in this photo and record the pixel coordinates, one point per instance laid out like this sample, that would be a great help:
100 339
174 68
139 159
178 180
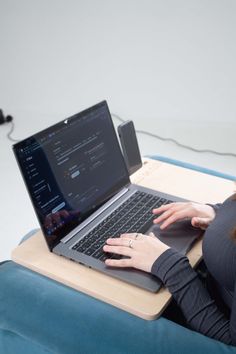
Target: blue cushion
12 343
43 316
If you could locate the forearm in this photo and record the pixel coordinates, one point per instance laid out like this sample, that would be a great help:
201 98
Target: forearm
199 309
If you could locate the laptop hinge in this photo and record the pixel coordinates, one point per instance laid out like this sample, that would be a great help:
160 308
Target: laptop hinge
94 216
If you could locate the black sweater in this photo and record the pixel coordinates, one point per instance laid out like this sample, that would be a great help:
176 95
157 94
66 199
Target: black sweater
219 253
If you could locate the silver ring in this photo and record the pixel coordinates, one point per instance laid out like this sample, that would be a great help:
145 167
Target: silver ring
130 243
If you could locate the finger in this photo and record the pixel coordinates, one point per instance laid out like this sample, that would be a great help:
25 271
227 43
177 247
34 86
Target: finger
129 236
125 242
151 234
163 208
173 218
119 262
124 251
200 222
118 241
176 207
164 216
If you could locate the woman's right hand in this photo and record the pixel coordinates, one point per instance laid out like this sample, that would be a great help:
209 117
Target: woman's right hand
201 215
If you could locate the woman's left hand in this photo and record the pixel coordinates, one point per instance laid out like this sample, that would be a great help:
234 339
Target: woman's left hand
142 250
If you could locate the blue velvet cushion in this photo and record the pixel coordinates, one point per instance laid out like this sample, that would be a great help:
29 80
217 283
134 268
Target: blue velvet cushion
38 315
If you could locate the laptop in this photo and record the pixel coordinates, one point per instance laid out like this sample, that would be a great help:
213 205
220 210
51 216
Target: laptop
81 192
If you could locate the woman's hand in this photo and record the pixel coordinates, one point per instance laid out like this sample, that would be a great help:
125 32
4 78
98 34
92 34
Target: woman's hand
201 215
142 251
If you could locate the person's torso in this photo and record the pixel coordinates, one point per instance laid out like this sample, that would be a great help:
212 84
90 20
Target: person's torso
219 249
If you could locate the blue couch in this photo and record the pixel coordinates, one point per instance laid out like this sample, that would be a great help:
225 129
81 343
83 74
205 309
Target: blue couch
39 316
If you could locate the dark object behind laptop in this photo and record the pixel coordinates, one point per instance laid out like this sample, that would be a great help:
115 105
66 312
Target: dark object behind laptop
129 144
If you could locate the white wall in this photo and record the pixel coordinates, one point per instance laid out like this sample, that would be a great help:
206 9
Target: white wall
169 65
172 59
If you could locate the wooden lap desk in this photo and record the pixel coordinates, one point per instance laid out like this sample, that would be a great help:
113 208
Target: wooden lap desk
164 177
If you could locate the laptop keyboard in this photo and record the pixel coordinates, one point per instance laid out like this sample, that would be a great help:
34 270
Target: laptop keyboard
134 215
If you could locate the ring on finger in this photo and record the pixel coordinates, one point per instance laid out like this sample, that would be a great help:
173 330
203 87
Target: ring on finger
130 243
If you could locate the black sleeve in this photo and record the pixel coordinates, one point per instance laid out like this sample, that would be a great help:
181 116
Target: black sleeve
216 207
200 311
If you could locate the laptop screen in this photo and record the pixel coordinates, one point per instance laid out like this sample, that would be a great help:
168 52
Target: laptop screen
71 169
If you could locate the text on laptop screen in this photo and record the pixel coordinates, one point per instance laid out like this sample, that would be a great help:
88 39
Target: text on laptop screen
72 168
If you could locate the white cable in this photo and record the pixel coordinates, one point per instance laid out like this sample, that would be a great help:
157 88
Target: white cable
176 142
10 132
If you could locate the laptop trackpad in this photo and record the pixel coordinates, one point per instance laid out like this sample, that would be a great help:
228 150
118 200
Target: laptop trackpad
181 235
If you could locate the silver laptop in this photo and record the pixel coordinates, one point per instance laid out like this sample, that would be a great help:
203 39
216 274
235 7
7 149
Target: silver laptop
79 185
